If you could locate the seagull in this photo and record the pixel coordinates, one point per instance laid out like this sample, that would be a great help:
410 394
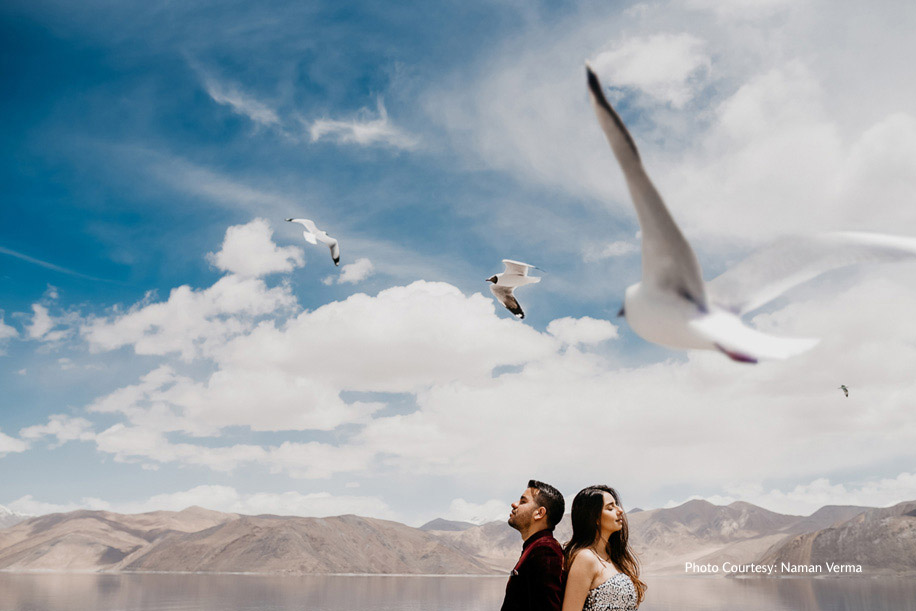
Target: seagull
313 235
844 389
516 275
673 306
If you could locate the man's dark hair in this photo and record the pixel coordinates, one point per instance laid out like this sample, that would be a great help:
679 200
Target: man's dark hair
550 499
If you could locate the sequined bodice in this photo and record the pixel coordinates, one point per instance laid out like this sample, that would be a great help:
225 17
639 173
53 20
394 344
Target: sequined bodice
615 594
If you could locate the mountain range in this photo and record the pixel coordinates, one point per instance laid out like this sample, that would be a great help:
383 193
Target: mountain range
201 540
9 517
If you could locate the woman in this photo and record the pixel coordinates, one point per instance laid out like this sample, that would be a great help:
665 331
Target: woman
602 571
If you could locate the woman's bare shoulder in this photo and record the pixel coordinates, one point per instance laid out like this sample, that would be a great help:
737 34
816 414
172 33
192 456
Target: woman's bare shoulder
586 561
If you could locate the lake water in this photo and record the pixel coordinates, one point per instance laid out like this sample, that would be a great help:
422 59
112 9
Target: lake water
160 592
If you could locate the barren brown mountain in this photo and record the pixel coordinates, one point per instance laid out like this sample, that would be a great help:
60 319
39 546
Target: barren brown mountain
881 540
93 540
200 540
343 544
665 539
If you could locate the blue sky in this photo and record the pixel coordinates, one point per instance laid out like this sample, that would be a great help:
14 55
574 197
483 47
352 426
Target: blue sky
149 148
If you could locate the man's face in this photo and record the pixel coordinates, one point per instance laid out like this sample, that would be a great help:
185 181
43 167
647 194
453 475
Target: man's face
524 510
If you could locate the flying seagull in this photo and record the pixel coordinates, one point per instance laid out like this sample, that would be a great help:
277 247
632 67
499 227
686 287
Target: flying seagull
313 235
516 275
844 389
674 307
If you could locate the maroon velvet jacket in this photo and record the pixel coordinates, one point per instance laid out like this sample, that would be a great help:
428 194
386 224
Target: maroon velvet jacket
534 584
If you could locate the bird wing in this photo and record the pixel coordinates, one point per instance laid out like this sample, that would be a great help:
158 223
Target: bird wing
742 343
325 239
505 297
516 267
310 231
335 250
773 270
668 261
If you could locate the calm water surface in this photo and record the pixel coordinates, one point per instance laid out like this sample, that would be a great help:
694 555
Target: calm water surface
148 592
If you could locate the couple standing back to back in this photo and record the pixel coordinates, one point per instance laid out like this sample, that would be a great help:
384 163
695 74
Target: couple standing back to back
596 571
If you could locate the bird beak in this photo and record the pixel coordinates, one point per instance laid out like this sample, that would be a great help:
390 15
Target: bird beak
622 312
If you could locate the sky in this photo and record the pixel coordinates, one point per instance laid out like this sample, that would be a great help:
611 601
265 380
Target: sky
167 339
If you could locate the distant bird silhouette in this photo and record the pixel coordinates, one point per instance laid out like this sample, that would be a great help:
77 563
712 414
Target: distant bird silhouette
844 389
516 275
313 235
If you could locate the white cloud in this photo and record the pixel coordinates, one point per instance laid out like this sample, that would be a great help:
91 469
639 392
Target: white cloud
618 248
28 505
131 443
312 460
240 102
11 444
249 250
777 143
165 401
62 427
583 330
363 130
743 10
403 339
683 421
226 499
355 272
191 322
477 513
6 333
42 326
668 67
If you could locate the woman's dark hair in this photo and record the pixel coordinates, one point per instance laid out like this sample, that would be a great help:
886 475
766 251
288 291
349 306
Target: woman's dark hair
586 525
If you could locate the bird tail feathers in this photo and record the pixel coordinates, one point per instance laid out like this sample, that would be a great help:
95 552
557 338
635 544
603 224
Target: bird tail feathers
744 344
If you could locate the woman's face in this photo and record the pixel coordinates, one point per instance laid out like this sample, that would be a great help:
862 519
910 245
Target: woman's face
611 516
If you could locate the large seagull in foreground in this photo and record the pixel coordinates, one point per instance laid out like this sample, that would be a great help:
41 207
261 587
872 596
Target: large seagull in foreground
672 306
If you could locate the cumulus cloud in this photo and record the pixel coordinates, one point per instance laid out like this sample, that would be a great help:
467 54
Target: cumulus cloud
130 444
165 401
682 421
43 326
249 250
402 339
585 330
355 272
667 67
190 322
11 444
62 427
312 460
363 130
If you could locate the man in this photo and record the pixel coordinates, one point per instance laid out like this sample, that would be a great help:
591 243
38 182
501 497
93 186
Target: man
535 582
